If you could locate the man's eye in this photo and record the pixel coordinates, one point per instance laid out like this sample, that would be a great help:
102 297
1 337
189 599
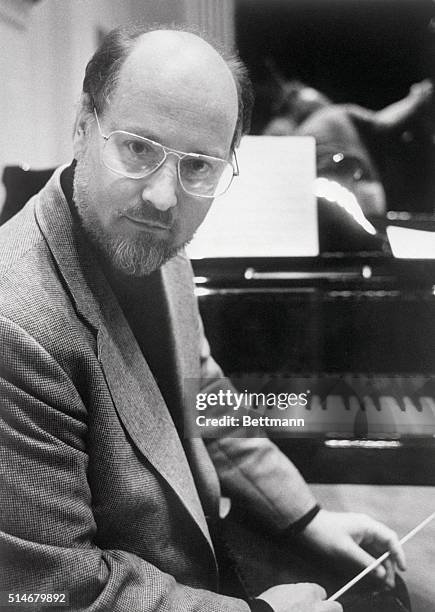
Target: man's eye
197 166
138 147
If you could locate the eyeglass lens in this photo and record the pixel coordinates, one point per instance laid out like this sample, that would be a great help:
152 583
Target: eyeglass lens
137 157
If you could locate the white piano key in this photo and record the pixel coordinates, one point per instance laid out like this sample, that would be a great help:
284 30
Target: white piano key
428 404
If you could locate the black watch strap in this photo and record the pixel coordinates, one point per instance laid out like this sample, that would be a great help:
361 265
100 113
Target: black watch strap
298 526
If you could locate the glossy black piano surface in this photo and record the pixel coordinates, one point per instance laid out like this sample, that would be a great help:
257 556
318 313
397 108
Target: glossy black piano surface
359 313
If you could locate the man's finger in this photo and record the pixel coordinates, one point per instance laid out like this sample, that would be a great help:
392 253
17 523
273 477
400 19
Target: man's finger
387 539
390 575
364 559
330 606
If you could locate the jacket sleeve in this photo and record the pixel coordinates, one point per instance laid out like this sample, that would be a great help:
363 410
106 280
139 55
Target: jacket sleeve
47 528
252 470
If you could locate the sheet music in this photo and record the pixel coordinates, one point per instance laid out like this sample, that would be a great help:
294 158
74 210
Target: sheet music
270 210
411 243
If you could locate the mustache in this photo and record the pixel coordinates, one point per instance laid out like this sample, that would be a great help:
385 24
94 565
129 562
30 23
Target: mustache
146 212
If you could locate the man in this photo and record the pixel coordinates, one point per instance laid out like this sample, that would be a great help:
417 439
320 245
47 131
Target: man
103 498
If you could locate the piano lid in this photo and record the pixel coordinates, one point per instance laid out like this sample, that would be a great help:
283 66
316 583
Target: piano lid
277 208
270 209
280 225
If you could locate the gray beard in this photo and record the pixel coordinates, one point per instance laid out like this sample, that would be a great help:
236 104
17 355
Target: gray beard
133 257
137 257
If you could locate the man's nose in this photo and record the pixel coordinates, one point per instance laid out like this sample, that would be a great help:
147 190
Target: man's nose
161 187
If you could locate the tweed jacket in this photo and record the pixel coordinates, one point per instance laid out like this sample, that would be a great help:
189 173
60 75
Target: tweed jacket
99 499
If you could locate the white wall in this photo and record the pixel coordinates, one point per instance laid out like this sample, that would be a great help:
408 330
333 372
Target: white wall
42 59
213 16
41 70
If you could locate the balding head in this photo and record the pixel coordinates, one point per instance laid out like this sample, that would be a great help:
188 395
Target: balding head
174 52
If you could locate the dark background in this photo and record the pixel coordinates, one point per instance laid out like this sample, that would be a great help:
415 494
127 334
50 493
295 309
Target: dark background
363 51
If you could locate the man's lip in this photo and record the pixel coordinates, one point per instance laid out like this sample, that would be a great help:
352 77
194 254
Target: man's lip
149 223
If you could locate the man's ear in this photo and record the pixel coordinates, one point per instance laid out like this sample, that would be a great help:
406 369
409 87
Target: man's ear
82 125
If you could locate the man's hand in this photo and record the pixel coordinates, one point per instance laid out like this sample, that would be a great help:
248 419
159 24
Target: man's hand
350 537
302 597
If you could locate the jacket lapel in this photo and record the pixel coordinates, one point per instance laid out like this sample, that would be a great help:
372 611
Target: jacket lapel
134 391
178 293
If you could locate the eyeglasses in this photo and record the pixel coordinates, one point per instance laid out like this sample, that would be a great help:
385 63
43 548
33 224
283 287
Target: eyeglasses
136 157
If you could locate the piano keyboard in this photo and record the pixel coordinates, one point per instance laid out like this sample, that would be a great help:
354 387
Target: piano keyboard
356 405
368 416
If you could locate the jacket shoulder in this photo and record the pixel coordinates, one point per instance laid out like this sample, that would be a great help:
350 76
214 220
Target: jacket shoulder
32 292
19 236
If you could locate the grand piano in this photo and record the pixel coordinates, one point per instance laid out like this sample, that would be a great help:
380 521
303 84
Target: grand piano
355 326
